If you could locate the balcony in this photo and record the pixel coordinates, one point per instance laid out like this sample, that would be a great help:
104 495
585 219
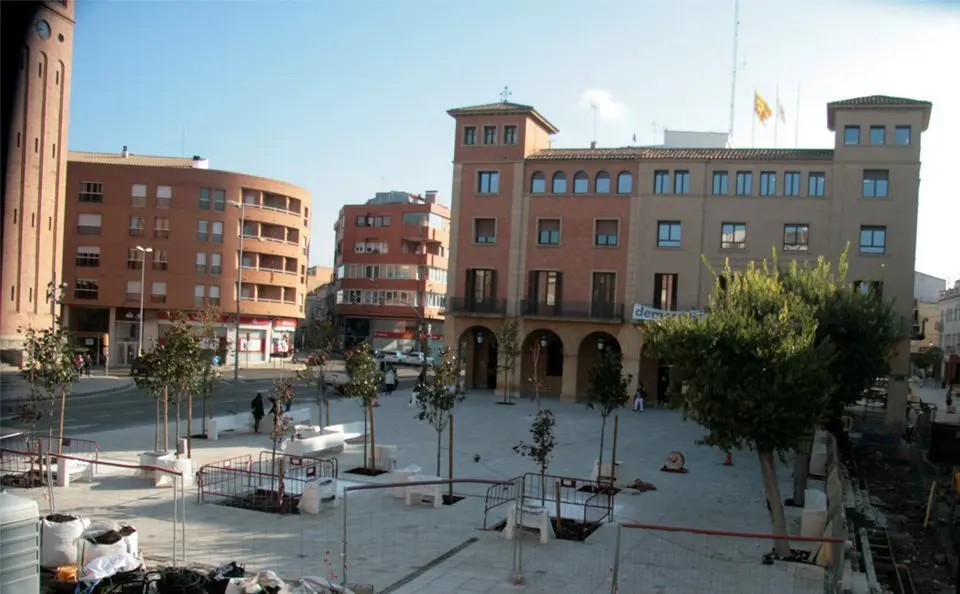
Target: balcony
576 310
470 305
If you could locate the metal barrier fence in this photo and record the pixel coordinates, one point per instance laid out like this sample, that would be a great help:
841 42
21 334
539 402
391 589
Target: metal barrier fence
21 456
580 499
211 477
680 560
268 461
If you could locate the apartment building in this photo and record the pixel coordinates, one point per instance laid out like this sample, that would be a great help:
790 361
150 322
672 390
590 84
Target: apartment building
166 234
587 244
926 313
33 205
391 269
949 328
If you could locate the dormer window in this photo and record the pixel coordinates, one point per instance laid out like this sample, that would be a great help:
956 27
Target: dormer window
509 135
470 135
489 135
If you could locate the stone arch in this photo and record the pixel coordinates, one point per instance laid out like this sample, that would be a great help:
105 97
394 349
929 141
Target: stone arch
588 352
478 348
549 363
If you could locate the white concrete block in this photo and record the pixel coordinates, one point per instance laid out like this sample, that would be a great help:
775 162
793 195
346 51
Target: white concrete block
814 517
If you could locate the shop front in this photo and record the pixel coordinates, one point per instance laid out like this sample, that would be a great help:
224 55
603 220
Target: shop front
282 338
253 340
126 336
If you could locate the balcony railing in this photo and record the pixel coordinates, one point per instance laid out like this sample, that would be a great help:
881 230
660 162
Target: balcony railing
471 305
597 310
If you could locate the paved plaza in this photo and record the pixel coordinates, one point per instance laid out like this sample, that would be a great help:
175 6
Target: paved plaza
405 549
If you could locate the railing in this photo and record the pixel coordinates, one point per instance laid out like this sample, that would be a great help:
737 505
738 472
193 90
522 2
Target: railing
327 467
570 494
21 456
497 495
595 310
210 476
469 305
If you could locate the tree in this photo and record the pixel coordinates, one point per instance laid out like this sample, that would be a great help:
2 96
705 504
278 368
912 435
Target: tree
508 351
929 359
540 449
281 396
210 375
607 392
322 337
536 380
363 383
439 396
50 370
755 375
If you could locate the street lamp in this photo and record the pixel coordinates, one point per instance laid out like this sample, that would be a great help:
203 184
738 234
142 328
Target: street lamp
236 322
55 295
600 345
479 337
143 274
543 341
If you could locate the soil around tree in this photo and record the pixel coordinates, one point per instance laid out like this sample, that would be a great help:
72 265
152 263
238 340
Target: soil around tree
507 403
265 500
27 480
451 499
570 529
608 490
364 471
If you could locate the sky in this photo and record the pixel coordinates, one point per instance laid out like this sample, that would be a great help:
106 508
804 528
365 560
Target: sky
347 98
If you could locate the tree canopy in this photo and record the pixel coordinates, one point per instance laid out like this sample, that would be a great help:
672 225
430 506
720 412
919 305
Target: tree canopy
440 394
49 369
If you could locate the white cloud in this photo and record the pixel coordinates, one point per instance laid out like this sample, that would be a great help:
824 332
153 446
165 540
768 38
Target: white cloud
610 109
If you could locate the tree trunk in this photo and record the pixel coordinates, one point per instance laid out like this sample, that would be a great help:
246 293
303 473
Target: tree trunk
63 410
203 413
450 457
373 441
156 429
366 433
189 424
543 485
771 487
177 438
801 469
439 445
166 419
603 432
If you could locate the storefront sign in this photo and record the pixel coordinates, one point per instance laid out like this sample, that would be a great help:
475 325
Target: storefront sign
283 324
403 335
643 313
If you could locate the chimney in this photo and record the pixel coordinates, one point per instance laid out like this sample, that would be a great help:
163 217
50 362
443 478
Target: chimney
593 144
125 152
430 197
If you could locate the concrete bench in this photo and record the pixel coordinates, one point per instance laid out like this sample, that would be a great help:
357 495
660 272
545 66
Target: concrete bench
351 431
316 442
418 494
244 422
533 517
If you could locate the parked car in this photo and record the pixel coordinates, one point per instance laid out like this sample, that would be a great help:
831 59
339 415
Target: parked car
416 358
139 367
395 357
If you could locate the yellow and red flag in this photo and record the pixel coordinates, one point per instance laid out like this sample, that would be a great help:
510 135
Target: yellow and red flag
761 108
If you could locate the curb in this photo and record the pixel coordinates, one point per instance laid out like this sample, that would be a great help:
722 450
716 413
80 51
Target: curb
107 391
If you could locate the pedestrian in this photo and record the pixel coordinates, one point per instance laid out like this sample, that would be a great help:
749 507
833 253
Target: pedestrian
390 380
87 363
286 407
78 361
639 397
256 406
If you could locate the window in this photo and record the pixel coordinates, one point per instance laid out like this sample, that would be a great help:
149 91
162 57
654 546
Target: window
721 183
791 183
624 183
509 135
219 199
873 240
744 183
548 232
733 236
661 182
681 182
538 183
161 228
214 295
607 233
602 184
481 285
485 231
876 183
874 288
488 182
201 262
817 184
134 259
380 221
372 247
91 192
604 289
133 290
136 226
217 232
89 224
668 234
559 184
88 256
160 261
851 135
138 195
158 292
86 288
164 196
543 288
878 135
768 183
200 291
205 198
203 229
796 238
581 183
216 263
901 135
489 135
470 135
665 291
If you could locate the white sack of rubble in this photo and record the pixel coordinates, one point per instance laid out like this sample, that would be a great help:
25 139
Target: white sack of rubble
103 567
58 539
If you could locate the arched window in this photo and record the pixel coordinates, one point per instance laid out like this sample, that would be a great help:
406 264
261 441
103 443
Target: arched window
602 184
538 183
581 183
559 183
624 183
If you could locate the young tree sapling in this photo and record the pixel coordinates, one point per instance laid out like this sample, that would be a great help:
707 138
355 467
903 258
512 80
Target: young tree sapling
540 448
508 351
363 383
607 392
439 396
49 369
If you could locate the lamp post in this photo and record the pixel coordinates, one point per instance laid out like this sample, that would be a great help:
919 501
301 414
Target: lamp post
55 294
143 275
236 321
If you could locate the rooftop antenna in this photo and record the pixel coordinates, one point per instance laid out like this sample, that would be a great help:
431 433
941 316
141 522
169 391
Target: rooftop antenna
505 94
596 122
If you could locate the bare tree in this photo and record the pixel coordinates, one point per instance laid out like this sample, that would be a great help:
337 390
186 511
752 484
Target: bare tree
50 371
508 351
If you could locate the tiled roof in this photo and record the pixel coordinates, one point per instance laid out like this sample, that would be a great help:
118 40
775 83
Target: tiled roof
880 101
681 154
503 108
130 159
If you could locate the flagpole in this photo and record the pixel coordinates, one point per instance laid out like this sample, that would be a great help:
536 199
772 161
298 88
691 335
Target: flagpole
776 117
753 120
796 117
733 76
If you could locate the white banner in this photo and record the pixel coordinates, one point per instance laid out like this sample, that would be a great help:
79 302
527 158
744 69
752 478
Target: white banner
642 313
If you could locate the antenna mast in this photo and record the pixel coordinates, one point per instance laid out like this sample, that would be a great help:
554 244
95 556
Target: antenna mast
733 77
596 121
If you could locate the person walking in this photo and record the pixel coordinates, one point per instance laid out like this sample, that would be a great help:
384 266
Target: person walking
87 364
639 397
256 406
390 380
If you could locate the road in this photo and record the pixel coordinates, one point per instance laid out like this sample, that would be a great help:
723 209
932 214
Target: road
88 413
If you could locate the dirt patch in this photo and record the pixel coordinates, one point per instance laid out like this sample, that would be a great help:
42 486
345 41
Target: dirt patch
451 499
607 490
364 471
570 529
265 500
26 480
